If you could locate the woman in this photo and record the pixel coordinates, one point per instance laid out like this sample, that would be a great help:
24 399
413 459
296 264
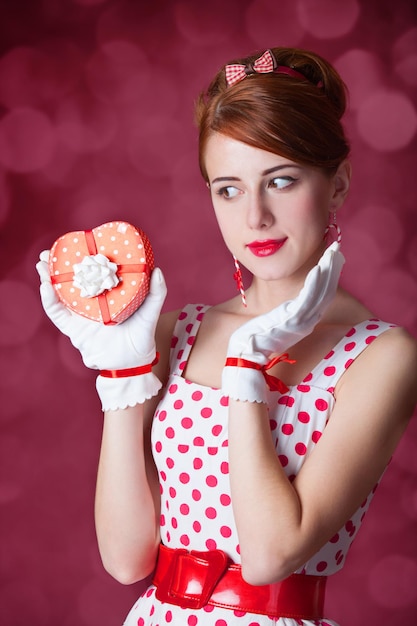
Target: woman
238 469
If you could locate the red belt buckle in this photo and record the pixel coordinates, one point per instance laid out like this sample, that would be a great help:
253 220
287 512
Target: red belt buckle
191 578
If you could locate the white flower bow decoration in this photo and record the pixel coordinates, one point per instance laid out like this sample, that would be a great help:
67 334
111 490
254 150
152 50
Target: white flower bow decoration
95 274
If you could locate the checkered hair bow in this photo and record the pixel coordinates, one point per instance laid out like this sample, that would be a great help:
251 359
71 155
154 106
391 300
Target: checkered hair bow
263 65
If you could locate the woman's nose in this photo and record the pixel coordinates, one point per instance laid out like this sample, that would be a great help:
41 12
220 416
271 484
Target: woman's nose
259 215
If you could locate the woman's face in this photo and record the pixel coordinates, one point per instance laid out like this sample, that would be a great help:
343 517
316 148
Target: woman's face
271 211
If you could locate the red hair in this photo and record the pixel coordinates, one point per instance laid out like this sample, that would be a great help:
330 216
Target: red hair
295 118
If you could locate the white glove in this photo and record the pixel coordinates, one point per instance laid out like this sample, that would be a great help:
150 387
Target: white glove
271 334
127 345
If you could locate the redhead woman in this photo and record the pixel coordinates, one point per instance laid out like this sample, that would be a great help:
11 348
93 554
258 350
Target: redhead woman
237 470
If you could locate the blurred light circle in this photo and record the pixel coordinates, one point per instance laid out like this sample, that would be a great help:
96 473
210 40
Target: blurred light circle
162 97
404 53
272 21
410 505
60 170
145 146
387 121
361 70
412 254
71 358
85 124
11 377
386 228
358 273
10 490
408 498
131 21
392 581
407 69
89 602
11 446
32 76
118 72
184 167
327 19
394 295
27 140
89 3
23 597
20 312
94 203
206 24
405 456
22 70
5 198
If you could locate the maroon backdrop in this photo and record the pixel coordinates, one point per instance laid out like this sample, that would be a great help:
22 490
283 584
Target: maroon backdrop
96 104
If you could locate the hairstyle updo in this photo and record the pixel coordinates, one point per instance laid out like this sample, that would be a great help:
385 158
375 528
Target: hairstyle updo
299 119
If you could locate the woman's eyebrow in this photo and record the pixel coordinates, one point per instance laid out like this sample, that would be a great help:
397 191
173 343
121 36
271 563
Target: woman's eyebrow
270 170
277 168
221 179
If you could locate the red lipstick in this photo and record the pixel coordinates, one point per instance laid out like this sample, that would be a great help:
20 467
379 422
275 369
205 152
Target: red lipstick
266 247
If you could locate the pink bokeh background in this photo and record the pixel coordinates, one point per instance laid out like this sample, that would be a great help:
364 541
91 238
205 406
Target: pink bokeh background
96 123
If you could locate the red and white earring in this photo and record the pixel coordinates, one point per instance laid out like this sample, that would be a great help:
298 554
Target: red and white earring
239 281
336 232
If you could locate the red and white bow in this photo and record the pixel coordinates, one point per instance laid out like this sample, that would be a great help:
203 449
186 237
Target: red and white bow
264 65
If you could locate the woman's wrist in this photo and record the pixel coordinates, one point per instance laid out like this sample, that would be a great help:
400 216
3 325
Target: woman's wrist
119 389
244 384
130 371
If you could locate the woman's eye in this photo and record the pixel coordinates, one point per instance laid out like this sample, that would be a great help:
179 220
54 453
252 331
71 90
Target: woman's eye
281 182
228 192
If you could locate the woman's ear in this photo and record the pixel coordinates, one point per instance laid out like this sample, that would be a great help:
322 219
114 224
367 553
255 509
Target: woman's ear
341 181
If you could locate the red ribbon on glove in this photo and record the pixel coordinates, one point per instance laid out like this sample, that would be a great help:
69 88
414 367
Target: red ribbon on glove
131 371
274 383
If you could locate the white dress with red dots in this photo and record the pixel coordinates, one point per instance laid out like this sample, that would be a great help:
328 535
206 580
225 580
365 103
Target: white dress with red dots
190 439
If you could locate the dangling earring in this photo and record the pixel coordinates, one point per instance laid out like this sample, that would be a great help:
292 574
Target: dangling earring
333 226
239 281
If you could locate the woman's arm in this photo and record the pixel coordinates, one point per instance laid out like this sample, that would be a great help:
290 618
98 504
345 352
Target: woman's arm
127 494
282 524
126 507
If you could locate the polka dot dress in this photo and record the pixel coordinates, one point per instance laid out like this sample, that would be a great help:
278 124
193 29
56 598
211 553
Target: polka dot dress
190 446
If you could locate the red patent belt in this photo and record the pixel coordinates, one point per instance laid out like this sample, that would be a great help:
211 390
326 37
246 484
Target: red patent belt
194 579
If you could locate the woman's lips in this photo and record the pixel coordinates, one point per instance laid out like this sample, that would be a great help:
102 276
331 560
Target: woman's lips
266 247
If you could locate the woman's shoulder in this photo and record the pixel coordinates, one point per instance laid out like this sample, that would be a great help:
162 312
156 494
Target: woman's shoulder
395 346
398 348
388 366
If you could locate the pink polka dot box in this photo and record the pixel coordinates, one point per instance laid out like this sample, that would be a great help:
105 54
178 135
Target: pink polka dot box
103 273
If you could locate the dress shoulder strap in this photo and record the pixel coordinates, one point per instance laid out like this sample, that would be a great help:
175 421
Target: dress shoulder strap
185 330
327 373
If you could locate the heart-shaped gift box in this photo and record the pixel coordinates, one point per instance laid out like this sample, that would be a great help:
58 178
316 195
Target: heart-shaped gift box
103 273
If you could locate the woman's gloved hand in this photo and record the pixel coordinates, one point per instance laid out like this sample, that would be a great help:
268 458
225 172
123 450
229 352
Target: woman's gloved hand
269 335
119 347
